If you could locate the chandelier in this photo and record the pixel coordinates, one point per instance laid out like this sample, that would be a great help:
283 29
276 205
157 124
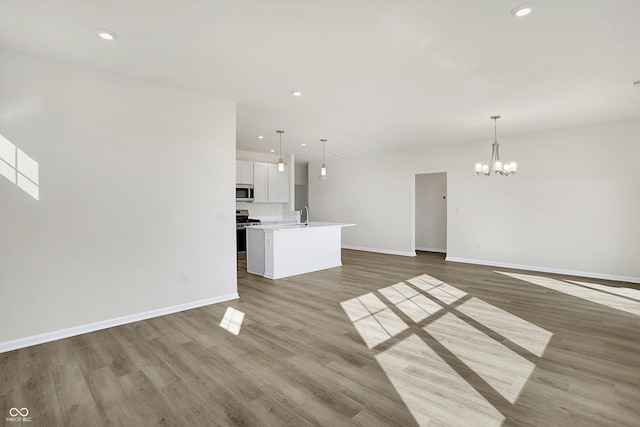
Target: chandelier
496 164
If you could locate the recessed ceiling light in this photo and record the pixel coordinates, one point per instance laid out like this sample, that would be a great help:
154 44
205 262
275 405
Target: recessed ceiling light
522 10
107 35
337 154
303 145
260 137
296 93
272 151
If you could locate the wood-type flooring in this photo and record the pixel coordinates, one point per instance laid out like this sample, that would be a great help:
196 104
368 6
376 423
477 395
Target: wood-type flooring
383 340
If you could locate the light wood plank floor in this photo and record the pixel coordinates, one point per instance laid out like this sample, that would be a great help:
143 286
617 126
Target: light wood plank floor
381 341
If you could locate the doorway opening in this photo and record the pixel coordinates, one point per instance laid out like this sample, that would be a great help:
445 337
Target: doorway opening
431 212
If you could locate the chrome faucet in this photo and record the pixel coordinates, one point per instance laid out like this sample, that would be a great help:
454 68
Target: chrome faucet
306 218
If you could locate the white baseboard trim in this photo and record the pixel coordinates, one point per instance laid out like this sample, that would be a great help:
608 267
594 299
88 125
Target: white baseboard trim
381 251
289 273
110 323
546 269
440 250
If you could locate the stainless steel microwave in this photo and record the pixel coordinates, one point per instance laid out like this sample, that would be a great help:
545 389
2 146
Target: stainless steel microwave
244 193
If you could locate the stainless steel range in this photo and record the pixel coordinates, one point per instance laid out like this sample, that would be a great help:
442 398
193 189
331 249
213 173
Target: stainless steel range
242 222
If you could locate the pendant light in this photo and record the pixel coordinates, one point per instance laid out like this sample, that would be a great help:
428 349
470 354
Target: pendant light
280 161
323 170
496 165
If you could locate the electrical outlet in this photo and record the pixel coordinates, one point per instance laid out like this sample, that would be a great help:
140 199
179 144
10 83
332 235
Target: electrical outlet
185 278
478 245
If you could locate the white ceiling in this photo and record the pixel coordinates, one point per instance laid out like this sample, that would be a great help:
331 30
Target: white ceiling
375 74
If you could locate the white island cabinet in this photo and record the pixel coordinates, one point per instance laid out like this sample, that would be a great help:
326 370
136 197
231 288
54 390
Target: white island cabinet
283 250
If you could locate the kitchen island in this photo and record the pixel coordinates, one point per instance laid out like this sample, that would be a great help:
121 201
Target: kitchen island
283 250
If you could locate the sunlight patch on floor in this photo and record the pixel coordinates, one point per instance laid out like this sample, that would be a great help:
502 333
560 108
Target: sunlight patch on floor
412 303
373 320
531 337
434 392
504 370
623 292
436 288
590 293
232 320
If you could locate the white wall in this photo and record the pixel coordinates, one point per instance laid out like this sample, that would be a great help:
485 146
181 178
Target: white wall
254 156
431 212
136 190
573 206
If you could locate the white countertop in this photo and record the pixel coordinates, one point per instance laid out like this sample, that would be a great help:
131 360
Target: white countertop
275 218
312 224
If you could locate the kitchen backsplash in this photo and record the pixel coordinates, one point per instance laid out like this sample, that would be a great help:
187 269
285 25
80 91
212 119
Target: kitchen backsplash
265 209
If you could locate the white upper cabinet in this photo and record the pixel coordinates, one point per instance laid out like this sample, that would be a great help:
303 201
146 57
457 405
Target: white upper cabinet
260 183
244 172
270 186
278 184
